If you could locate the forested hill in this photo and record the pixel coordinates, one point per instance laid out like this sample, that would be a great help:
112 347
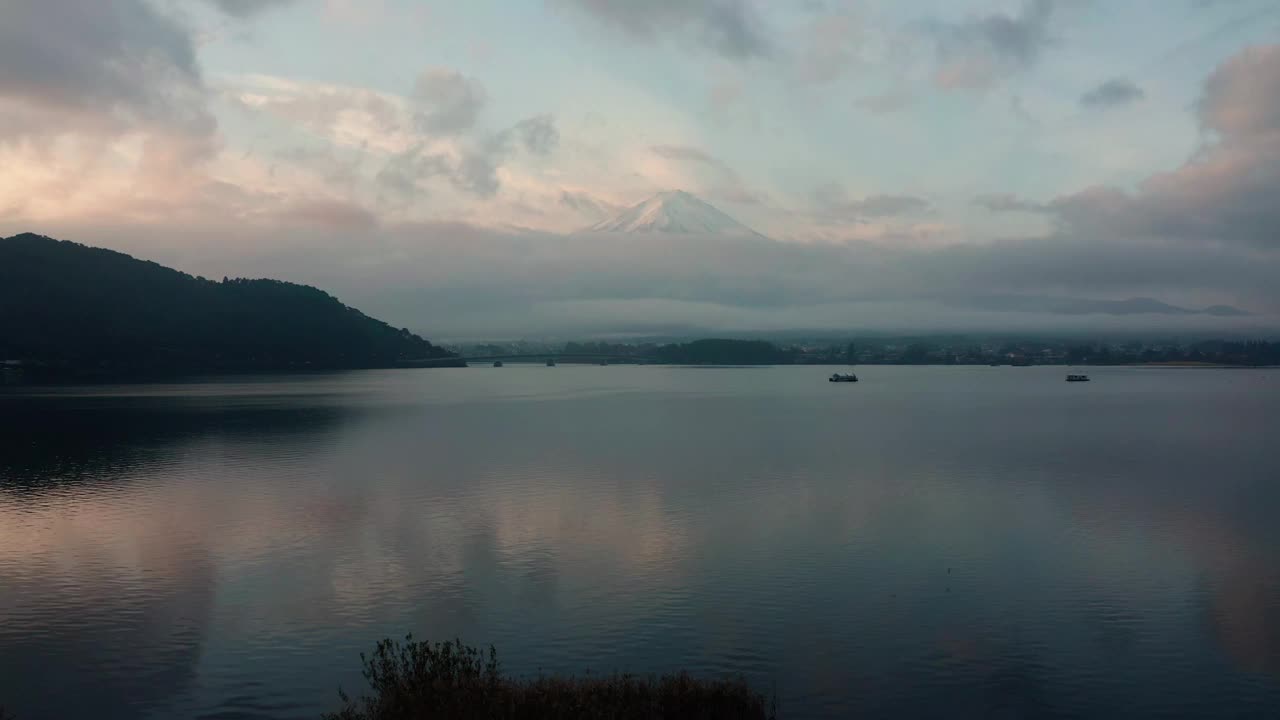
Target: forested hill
84 309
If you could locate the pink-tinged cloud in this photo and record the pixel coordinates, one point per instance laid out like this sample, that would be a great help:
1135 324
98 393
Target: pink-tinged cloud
1242 97
1226 193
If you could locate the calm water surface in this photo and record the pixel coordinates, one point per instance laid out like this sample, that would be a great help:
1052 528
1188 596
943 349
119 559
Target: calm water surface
931 541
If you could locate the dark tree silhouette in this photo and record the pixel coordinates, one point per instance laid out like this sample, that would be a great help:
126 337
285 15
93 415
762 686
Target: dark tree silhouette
89 310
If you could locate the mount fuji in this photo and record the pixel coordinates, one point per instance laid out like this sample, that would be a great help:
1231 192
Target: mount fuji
674 212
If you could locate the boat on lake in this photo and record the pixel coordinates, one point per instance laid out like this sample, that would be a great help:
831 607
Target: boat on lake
1077 378
497 363
842 377
551 362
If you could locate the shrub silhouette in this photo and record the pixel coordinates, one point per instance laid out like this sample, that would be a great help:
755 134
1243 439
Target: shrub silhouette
417 680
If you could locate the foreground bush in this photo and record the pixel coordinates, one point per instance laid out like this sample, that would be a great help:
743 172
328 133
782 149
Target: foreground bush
418 680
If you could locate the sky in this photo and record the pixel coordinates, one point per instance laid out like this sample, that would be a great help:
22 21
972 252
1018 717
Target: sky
911 165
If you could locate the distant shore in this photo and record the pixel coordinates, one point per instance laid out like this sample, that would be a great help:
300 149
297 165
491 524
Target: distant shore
1192 365
38 375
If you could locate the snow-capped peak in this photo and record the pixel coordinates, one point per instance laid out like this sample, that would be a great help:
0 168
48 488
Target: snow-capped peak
673 212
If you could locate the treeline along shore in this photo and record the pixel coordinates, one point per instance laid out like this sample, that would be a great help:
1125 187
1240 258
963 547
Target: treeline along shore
908 351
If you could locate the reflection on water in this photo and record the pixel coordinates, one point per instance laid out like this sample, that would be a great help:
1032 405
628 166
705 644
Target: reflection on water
933 541
107 557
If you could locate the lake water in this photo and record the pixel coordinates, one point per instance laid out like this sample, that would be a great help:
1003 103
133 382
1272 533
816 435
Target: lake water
930 541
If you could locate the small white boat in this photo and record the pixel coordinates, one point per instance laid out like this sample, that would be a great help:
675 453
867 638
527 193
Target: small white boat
842 377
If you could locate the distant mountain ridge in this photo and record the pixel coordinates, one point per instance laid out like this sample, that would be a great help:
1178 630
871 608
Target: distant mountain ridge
92 310
673 212
1085 306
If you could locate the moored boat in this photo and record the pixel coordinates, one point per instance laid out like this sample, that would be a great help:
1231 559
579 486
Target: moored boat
1077 378
842 377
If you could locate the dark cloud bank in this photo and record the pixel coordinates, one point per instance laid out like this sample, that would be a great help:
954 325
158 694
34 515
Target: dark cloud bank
97 65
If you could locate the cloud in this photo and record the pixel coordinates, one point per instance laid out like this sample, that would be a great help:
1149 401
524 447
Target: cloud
1077 264
328 213
686 153
102 105
470 166
1211 34
884 103
974 54
477 173
738 195
434 133
1225 194
448 102
1007 202
714 178
1020 111
832 46
1112 93
1242 97
834 203
245 8
725 91
538 134
402 178
837 217
345 116
880 205
336 171
587 205
731 28
101 64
